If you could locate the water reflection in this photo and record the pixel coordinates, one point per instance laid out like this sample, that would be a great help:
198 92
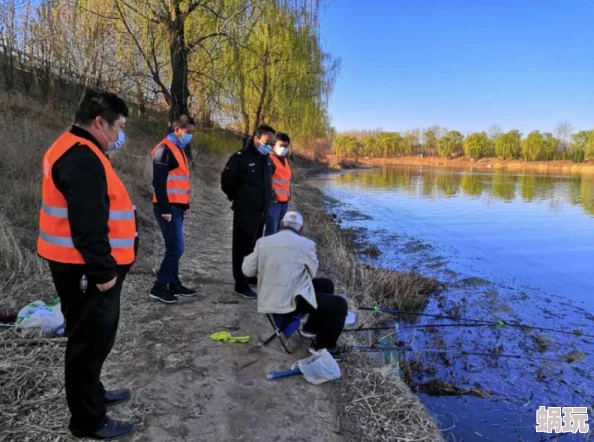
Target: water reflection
577 190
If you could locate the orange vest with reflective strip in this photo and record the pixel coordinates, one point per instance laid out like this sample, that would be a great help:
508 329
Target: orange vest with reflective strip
281 180
178 180
55 238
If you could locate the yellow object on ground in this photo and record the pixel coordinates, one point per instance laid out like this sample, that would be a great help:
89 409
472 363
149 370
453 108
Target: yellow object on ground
226 337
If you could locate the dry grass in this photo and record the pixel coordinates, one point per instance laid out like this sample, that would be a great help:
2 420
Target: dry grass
28 393
437 387
379 405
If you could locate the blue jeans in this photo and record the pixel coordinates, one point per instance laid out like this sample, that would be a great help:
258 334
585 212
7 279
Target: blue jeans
276 212
173 234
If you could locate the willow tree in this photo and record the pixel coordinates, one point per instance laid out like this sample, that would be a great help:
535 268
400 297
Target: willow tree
509 145
477 145
539 147
277 72
450 143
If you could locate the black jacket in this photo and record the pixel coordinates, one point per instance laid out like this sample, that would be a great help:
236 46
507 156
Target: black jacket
247 180
164 162
80 177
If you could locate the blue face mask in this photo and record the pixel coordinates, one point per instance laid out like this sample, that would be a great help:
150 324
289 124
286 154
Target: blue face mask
185 139
264 149
119 143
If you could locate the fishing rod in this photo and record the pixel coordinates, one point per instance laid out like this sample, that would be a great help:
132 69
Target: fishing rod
377 309
485 324
373 348
478 322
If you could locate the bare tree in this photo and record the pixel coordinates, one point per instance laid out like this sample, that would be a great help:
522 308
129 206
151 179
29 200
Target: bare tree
494 131
563 131
147 20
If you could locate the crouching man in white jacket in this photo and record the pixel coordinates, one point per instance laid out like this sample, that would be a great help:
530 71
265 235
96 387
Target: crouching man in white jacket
286 264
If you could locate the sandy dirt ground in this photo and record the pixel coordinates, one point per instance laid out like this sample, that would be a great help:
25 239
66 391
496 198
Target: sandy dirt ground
187 387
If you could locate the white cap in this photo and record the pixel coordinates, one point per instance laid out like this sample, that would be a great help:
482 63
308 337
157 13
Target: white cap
293 219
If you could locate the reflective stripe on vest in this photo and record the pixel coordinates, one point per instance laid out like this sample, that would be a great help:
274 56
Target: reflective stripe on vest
66 241
281 180
114 215
178 180
55 241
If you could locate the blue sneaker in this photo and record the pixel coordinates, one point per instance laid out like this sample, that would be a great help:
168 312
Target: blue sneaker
111 430
246 292
116 396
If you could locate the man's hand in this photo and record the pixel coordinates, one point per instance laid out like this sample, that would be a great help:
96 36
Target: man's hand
188 212
166 217
108 285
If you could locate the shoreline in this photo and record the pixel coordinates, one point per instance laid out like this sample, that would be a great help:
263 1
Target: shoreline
501 303
564 167
393 410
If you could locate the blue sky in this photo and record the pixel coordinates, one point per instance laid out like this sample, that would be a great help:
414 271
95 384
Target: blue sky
523 64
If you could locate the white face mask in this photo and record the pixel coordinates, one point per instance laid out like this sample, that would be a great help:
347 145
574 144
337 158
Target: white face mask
281 151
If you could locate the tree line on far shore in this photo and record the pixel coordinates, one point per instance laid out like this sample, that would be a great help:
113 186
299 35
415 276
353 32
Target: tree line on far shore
564 144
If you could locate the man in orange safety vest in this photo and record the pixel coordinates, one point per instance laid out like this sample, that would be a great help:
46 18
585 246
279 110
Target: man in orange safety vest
281 184
87 233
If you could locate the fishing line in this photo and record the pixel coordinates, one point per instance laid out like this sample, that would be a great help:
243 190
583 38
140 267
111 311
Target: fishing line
373 348
479 322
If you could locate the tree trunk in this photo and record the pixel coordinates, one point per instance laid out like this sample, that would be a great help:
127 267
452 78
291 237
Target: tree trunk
179 62
262 99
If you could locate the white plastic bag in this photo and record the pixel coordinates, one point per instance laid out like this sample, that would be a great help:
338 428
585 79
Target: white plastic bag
319 368
38 314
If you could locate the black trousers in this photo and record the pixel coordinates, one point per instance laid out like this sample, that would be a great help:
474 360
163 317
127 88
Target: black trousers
245 235
91 326
327 321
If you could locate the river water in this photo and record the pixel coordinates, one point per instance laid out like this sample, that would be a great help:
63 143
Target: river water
515 247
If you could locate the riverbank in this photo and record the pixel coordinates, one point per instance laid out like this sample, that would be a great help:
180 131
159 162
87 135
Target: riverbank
566 167
184 386
377 404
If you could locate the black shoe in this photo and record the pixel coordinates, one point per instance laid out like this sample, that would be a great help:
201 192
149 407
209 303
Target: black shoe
246 292
336 352
182 292
253 281
116 396
163 295
112 430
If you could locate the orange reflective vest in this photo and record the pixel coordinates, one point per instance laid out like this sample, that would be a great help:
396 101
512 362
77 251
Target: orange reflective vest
281 180
55 238
178 180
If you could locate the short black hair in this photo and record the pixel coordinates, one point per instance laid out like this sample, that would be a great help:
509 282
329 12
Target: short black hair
183 121
281 136
99 103
262 129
